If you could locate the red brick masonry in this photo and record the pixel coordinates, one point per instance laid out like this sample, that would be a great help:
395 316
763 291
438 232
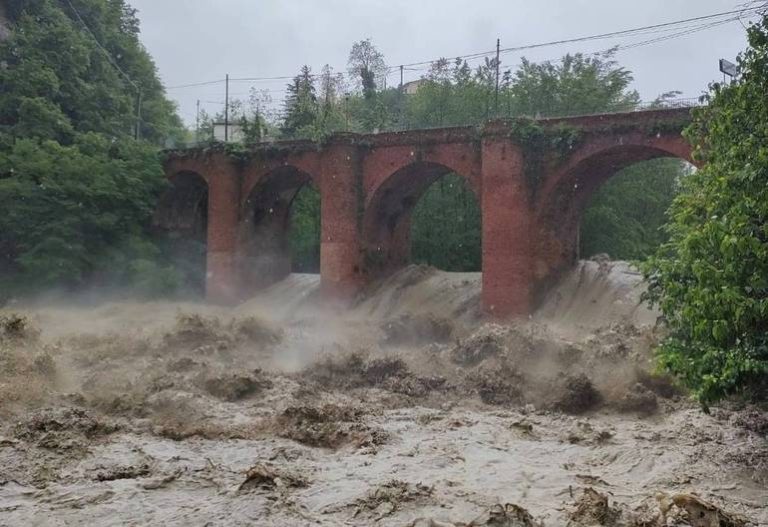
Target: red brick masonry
533 180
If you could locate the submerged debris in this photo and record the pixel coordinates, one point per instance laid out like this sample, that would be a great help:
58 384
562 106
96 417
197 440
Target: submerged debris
638 399
15 328
416 329
234 387
698 513
388 497
124 472
509 515
262 476
501 386
357 370
576 395
489 341
193 331
328 426
592 509
44 423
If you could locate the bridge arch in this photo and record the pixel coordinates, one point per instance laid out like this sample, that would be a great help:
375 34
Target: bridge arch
569 190
389 209
182 217
264 255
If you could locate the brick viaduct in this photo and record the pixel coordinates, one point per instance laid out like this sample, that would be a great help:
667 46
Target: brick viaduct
532 178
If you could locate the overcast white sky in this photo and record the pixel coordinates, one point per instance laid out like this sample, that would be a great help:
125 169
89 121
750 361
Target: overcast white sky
200 40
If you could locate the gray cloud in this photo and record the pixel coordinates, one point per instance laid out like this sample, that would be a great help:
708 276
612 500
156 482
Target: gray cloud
200 40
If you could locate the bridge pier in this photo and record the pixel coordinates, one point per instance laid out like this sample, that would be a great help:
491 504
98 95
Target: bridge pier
507 250
222 284
341 265
533 180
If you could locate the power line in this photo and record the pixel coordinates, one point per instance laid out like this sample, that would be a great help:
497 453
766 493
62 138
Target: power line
206 83
629 32
665 26
686 31
113 62
102 48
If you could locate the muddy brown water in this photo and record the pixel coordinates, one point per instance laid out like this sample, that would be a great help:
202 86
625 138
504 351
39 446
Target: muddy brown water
408 409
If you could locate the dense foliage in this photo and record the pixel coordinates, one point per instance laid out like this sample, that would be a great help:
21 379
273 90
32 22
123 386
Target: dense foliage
76 189
304 232
446 227
711 278
626 216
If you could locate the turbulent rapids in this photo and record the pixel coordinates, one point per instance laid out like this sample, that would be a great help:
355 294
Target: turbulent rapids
408 409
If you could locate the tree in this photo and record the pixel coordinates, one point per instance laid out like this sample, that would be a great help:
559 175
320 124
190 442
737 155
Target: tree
625 217
366 66
330 116
577 84
77 192
446 228
711 279
368 70
304 231
301 107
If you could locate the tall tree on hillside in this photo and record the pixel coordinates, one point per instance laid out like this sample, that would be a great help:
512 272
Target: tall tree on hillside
64 69
76 191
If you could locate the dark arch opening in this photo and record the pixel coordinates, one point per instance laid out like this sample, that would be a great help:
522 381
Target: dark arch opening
446 228
304 230
563 212
268 242
391 210
624 217
182 218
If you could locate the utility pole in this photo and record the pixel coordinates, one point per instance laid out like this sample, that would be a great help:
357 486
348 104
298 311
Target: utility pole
258 120
346 112
226 110
401 78
197 123
498 62
138 113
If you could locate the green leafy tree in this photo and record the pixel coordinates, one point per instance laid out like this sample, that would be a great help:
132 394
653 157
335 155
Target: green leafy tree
711 279
368 71
304 231
626 215
446 226
451 94
577 84
330 117
76 190
366 66
71 210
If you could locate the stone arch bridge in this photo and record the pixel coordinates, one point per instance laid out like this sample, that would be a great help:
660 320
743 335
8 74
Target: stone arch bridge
532 178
